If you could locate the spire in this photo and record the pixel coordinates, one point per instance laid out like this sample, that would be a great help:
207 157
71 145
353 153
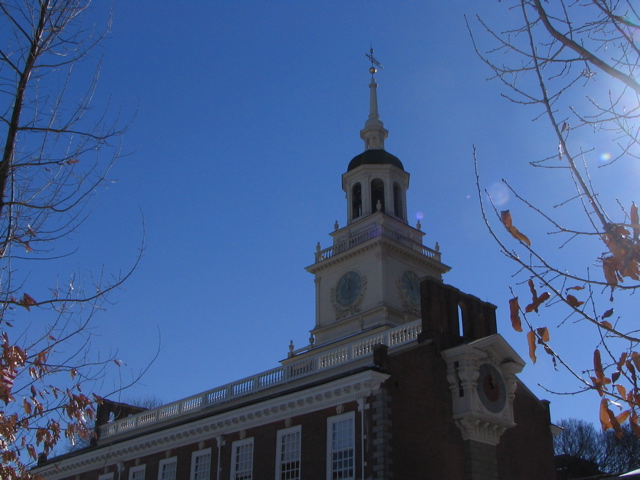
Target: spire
373 132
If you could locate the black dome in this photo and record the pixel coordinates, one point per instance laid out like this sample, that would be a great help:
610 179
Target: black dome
374 157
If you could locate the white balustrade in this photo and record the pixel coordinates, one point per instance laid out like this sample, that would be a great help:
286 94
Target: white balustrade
375 232
308 366
169 411
147 417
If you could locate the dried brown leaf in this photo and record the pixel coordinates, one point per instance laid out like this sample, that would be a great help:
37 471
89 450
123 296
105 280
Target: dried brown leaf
507 221
597 364
615 424
621 361
531 340
543 334
514 309
577 287
635 357
605 419
533 306
573 301
623 417
635 222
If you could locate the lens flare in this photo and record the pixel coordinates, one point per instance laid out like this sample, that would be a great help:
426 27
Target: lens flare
419 215
499 194
605 157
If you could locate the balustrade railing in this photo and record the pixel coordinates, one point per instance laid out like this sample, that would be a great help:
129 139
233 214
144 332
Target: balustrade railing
374 232
307 366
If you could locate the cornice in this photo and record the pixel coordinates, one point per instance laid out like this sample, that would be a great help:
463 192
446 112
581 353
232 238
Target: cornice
336 392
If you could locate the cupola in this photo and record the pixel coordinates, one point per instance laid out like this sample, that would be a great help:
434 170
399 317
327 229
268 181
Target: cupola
375 180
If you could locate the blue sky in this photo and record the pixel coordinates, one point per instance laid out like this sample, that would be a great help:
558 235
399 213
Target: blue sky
244 115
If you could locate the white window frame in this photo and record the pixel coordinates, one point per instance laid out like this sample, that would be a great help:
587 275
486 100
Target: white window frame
164 462
279 461
105 476
137 469
194 457
331 421
235 446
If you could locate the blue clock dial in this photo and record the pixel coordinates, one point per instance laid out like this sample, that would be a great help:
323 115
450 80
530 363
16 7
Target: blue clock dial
411 287
348 288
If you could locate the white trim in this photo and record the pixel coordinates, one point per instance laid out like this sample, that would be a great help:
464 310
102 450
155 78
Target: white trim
281 433
305 400
331 421
167 461
134 470
194 457
235 446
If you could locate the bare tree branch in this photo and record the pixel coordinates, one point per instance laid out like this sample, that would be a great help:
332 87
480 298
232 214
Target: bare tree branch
549 61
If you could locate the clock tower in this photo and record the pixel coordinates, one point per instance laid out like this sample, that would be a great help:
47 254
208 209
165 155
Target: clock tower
369 278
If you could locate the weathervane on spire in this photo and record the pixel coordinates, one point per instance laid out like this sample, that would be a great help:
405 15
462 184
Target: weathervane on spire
373 132
374 63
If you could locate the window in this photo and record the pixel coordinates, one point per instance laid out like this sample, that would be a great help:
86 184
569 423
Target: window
137 473
288 454
200 464
341 452
242 460
167 469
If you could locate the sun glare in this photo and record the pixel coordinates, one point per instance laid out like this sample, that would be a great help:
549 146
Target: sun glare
605 157
498 193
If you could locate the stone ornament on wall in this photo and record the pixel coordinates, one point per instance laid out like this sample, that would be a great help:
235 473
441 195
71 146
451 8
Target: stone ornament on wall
348 294
482 379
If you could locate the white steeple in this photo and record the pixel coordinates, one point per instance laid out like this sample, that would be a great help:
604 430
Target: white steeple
373 132
368 280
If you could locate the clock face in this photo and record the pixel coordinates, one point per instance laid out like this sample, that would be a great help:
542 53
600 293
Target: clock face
411 287
491 388
348 288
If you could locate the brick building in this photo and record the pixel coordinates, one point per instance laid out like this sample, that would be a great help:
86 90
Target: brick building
405 377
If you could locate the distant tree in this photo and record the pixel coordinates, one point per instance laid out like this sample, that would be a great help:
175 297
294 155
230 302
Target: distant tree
622 452
56 149
575 63
148 402
581 440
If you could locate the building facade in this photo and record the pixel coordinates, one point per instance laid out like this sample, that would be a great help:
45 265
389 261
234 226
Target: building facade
405 377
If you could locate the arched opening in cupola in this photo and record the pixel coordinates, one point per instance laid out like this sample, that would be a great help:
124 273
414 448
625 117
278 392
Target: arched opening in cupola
356 201
398 208
377 195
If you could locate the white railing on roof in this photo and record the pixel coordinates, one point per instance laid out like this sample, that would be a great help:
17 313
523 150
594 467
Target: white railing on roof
374 232
308 366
